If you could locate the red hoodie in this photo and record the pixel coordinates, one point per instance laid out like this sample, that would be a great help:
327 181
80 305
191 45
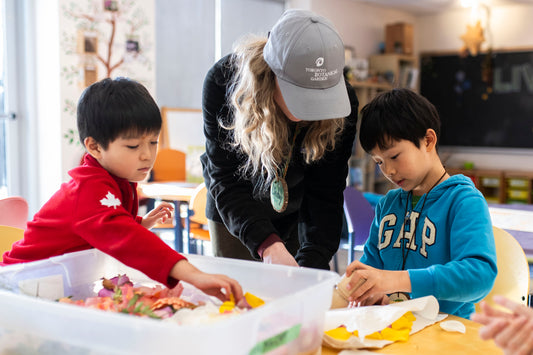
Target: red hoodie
95 210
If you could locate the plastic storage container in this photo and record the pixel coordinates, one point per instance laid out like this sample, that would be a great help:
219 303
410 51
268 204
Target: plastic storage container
291 321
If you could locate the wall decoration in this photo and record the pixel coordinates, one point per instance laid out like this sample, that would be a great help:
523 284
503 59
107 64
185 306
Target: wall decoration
478 30
103 25
99 39
473 38
87 42
111 5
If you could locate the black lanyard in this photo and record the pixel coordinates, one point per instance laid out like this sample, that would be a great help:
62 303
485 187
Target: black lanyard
405 252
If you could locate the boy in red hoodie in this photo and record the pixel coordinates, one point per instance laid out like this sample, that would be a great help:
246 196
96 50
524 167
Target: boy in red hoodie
119 125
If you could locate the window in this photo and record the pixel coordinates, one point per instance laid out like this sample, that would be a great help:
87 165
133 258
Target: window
7 124
192 35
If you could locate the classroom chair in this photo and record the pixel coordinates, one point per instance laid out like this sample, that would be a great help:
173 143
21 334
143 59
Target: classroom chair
8 236
170 165
14 212
197 221
512 280
359 215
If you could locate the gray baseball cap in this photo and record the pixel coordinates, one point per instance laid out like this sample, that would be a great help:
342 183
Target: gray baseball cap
307 55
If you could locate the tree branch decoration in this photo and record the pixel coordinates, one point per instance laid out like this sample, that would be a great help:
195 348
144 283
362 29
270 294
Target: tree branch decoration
101 38
112 14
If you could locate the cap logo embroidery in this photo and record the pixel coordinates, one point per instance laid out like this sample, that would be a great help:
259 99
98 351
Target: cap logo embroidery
319 62
110 200
320 74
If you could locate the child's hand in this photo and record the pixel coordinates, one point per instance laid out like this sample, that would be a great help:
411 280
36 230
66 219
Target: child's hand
220 286
512 330
160 214
378 282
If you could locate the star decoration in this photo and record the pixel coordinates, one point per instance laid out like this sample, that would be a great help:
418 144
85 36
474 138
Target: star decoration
110 200
473 38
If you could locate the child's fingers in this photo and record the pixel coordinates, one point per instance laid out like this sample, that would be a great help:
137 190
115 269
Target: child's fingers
236 290
481 318
166 205
218 294
163 212
353 266
518 336
508 335
492 328
514 307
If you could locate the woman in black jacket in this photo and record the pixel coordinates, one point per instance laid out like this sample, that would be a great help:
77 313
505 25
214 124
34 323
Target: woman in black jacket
280 123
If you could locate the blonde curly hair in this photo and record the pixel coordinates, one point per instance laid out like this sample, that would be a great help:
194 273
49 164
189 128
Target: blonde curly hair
260 128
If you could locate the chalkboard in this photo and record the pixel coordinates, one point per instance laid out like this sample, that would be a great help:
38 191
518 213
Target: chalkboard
484 100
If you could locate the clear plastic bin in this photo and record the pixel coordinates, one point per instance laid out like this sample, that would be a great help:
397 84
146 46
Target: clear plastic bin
291 321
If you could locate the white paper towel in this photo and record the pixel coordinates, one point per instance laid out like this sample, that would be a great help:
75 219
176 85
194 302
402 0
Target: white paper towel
370 319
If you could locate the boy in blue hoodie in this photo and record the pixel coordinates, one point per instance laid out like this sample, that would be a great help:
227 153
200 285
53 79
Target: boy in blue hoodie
433 235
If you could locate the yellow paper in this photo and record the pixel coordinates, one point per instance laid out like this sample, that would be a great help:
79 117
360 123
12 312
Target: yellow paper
253 301
339 333
227 306
395 334
398 331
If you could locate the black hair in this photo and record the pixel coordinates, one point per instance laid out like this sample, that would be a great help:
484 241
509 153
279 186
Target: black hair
398 114
113 107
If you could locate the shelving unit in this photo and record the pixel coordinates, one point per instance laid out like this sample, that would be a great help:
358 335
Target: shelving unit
370 178
367 90
499 186
519 187
399 65
402 67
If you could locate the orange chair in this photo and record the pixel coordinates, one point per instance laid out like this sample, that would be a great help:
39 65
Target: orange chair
169 165
14 212
197 221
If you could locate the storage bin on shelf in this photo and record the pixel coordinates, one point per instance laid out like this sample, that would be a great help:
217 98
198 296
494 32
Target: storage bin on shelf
291 321
519 185
517 196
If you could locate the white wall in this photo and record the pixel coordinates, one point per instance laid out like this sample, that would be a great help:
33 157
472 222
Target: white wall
361 26
510 25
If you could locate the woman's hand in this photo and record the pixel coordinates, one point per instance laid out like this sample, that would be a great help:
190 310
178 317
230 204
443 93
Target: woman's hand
378 283
160 214
512 331
219 286
278 254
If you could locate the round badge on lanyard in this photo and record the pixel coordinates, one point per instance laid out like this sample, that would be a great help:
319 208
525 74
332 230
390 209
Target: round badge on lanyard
279 190
279 194
398 297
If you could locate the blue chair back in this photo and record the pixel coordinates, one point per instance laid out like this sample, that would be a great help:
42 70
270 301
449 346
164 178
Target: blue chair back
359 216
